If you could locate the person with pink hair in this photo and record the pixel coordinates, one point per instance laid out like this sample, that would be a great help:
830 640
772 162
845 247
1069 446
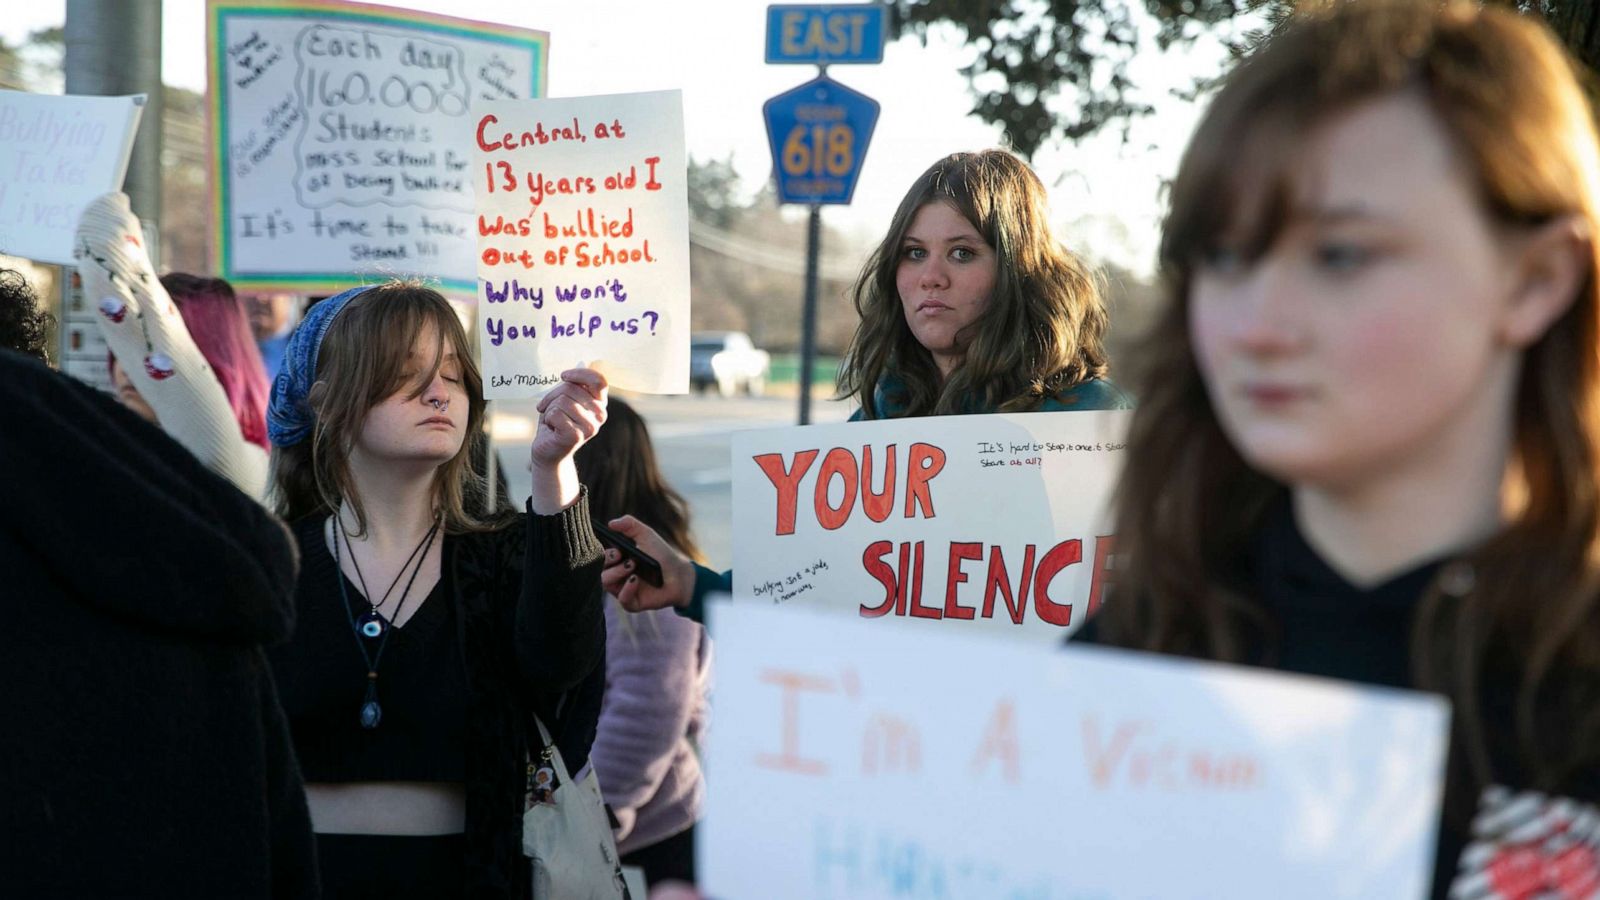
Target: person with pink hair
215 318
182 354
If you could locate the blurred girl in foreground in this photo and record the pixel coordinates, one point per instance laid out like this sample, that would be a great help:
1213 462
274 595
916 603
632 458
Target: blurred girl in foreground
1368 440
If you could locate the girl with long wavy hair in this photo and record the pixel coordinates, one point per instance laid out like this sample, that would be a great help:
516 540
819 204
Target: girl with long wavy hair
970 304
1369 429
411 694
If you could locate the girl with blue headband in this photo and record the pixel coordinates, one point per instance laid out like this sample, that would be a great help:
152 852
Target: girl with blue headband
428 635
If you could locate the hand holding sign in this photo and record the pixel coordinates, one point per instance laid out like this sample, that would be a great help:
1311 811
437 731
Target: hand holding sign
568 417
583 225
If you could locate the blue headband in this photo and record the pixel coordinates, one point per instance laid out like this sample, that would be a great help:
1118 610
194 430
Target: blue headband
289 418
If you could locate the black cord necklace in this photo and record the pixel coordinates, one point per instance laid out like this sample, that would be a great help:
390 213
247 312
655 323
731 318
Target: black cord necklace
371 623
371 711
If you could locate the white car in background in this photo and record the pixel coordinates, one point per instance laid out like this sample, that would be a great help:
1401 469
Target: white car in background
729 362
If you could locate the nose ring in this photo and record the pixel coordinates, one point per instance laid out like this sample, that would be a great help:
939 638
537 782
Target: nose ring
440 405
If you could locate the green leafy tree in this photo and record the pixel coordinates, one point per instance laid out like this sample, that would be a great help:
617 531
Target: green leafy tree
747 260
10 67
34 64
713 187
1030 51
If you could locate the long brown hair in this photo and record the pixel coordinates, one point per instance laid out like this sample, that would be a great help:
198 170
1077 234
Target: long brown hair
618 466
363 361
1042 331
1187 504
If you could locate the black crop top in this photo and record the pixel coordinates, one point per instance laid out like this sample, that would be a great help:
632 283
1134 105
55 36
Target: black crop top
321 677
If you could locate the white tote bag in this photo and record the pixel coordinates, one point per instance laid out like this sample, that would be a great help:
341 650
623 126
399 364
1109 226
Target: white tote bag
565 833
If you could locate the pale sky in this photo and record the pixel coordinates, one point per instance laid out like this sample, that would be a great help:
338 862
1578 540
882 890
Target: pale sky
1104 196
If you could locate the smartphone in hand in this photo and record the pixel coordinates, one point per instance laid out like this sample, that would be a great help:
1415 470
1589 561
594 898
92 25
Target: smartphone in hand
644 565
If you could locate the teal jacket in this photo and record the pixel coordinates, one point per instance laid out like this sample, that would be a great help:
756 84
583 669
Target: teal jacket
1096 393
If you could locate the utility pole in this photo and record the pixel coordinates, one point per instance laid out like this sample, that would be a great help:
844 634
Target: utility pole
113 48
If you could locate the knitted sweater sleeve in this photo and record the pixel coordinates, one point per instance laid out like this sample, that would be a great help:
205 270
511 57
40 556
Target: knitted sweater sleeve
147 336
560 627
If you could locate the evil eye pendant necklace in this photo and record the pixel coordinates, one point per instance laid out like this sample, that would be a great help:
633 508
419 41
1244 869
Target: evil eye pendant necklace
370 626
371 623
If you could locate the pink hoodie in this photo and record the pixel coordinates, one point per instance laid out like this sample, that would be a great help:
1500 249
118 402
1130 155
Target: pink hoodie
658 667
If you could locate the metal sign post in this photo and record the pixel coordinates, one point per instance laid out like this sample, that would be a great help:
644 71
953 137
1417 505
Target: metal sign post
819 131
808 324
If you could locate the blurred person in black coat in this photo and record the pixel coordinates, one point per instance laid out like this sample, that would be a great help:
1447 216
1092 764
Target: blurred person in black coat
143 751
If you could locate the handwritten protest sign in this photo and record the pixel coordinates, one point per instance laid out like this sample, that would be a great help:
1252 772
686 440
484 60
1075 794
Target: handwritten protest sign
340 138
868 760
991 522
583 224
58 153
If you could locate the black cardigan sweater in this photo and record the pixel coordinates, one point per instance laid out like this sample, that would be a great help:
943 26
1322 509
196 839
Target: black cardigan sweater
143 753
532 633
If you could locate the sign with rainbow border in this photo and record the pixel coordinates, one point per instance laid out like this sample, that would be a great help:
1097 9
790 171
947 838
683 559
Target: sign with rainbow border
341 139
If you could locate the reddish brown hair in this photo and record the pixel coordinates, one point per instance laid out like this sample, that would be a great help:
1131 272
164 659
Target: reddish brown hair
1508 96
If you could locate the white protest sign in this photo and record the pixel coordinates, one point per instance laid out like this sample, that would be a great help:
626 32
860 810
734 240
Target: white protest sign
872 760
58 153
583 217
995 522
341 138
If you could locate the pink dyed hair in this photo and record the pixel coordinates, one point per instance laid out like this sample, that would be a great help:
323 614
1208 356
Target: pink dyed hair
219 328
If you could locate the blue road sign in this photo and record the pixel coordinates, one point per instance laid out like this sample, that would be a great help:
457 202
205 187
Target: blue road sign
826 35
819 133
